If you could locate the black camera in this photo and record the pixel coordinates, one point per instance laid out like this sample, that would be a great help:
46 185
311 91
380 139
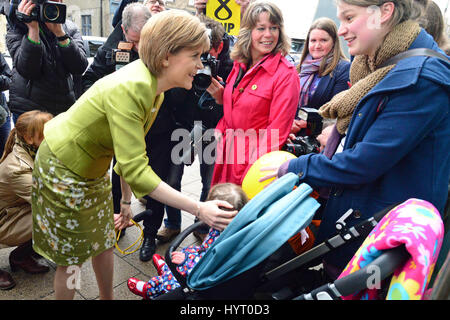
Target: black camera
122 55
202 79
306 140
44 11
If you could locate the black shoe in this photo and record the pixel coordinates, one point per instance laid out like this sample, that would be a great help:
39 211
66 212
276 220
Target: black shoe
148 249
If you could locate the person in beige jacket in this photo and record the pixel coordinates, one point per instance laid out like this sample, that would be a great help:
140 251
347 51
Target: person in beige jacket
16 166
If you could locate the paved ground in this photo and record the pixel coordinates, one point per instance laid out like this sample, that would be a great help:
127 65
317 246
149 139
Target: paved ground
40 287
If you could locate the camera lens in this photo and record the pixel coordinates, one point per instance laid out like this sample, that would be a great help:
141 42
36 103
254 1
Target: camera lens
51 12
202 81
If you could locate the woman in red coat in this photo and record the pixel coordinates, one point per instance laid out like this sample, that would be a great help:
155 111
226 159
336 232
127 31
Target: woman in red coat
260 97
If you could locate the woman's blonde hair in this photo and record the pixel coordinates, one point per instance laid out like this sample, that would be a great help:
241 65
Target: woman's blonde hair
242 49
329 26
28 124
404 9
169 32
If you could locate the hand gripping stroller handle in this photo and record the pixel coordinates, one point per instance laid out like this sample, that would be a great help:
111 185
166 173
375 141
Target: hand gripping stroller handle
368 277
174 245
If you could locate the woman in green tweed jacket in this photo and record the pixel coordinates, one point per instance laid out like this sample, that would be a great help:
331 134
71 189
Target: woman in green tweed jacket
71 196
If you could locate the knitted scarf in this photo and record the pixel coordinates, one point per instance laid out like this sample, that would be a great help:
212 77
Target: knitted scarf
30 149
364 74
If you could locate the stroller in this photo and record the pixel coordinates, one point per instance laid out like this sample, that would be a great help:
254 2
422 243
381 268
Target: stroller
263 270
405 244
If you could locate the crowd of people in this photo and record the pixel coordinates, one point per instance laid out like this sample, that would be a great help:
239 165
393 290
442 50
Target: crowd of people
386 127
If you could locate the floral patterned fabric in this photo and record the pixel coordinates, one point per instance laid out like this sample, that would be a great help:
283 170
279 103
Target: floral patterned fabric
72 216
167 282
418 226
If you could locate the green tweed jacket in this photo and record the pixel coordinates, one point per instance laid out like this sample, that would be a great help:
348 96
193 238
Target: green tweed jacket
111 118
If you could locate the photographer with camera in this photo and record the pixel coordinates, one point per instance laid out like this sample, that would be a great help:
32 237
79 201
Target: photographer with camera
196 105
47 51
124 38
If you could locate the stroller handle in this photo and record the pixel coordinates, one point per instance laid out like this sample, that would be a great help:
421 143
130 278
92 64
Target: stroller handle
174 245
378 270
142 215
344 236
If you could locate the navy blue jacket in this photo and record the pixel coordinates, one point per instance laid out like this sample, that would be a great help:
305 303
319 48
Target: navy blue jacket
396 148
329 85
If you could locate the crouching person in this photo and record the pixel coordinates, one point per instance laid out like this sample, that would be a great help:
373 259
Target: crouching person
16 166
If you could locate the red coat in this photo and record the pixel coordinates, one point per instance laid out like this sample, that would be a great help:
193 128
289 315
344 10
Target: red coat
258 115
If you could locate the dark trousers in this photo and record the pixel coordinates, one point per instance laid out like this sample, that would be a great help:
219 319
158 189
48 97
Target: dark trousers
173 220
5 129
158 150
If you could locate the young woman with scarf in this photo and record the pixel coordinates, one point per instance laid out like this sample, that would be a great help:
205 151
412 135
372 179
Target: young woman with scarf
323 69
392 135
16 166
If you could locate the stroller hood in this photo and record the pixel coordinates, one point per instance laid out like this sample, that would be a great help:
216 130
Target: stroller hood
258 230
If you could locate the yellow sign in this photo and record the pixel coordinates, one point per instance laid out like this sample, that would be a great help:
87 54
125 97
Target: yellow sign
227 12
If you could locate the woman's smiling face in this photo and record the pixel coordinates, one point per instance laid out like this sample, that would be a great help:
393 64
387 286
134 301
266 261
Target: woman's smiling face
183 66
264 37
320 43
358 29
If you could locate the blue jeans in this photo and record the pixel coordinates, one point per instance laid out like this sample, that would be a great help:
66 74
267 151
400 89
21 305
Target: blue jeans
5 129
15 116
173 220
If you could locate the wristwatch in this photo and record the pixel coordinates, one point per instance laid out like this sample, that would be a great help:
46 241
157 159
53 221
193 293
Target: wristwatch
62 38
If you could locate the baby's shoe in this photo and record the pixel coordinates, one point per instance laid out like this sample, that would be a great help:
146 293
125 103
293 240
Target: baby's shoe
158 262
138 287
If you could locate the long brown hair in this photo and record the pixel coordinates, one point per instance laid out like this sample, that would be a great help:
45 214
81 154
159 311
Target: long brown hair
28 124
433 23
327 25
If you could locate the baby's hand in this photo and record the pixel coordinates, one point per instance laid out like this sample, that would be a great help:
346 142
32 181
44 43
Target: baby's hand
178 257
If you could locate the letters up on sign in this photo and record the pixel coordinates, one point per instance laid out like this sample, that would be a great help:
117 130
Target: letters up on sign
226 12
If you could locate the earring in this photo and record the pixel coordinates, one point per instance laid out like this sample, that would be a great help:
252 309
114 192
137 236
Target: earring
165 63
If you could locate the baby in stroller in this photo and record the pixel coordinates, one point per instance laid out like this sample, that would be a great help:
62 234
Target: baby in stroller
189 256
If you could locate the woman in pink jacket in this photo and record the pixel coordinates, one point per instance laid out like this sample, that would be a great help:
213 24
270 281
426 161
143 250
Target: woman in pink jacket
260 96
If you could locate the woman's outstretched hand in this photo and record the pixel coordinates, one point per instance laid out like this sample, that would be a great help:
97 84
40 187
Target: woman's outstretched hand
211 213
273 174
119 222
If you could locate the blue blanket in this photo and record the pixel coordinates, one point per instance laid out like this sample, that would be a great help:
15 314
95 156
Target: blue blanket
258 230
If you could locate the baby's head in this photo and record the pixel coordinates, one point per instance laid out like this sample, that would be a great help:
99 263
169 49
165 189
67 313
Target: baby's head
229 192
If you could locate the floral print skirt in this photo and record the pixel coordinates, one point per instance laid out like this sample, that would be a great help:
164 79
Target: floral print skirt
72 216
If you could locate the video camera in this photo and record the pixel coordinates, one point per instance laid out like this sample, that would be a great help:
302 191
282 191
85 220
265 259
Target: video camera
202 79
122 55
306 140
45 11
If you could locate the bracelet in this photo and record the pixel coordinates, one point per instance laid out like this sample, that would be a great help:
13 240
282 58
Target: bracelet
197 213
125 202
